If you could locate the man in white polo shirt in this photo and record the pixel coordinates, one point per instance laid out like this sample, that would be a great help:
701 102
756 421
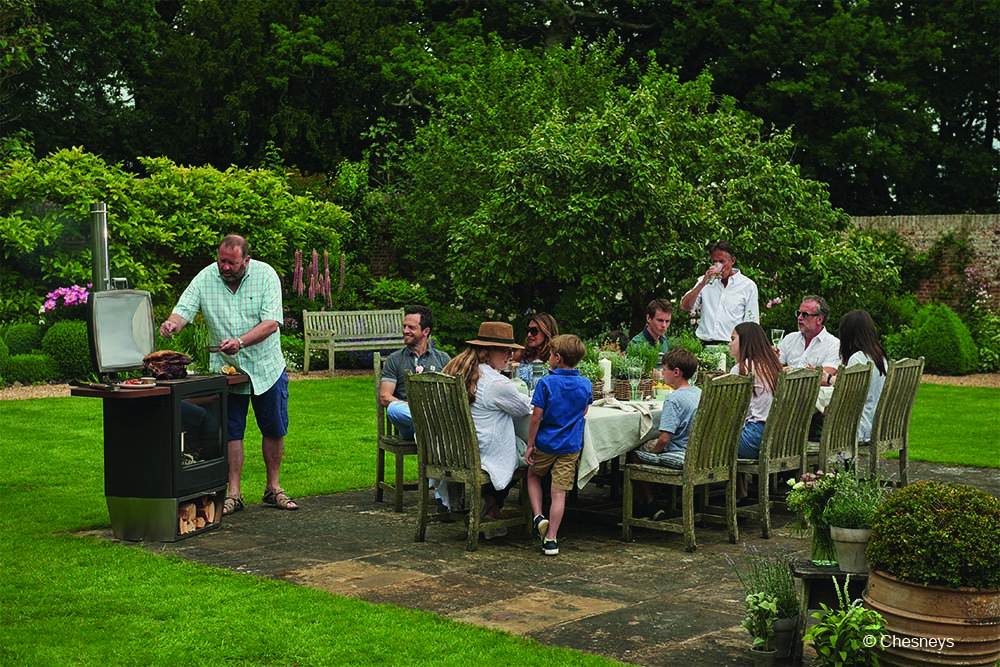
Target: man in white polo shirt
812 346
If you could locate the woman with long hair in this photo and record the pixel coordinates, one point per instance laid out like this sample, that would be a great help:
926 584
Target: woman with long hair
859 344
754 354
494 402
542 328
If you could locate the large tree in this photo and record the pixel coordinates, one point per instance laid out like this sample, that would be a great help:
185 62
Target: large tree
580 184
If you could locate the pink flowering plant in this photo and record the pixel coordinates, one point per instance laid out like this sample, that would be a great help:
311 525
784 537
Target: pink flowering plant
60 303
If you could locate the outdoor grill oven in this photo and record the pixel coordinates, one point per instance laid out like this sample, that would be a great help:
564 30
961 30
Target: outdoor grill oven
166 461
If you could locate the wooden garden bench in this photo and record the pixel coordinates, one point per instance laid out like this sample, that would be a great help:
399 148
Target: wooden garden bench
349 330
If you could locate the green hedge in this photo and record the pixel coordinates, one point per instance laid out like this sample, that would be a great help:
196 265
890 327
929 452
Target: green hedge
66 342
31 369
23 338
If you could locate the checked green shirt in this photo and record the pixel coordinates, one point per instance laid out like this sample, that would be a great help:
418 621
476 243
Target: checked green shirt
230 315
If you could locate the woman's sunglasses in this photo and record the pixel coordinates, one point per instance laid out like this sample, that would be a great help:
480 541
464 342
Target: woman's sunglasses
533 331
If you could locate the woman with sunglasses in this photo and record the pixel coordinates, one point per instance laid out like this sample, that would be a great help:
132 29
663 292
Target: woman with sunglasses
494 402
542 328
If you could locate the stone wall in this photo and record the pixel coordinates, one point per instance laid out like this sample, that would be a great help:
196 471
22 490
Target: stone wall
921 231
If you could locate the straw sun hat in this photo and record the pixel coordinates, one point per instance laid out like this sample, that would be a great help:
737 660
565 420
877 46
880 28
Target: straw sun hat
495 334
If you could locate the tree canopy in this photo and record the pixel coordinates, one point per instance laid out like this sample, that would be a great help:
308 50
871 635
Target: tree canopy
893 104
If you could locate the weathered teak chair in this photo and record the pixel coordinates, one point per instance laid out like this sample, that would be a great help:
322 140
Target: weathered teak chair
710 457
783 444
840 425
448 449
891 422
390 442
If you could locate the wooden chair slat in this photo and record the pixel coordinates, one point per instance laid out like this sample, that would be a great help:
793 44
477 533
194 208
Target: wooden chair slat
783 444
710 457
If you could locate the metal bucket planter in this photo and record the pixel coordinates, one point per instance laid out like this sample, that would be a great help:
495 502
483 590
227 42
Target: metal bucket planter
934 625
849 544
784 636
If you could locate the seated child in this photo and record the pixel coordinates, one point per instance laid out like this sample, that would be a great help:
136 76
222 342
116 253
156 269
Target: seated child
679 366
555 434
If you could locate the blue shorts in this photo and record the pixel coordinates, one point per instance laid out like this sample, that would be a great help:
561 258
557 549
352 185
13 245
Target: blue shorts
270 409
750 438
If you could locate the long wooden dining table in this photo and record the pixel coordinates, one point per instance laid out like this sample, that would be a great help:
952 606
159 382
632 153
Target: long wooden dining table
610 431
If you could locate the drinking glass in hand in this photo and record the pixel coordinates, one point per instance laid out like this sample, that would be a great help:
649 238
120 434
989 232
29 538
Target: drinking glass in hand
776 336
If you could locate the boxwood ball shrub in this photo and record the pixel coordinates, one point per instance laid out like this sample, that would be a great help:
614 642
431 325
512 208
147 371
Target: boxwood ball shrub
66 342
938 534
944 342
31 369
23 338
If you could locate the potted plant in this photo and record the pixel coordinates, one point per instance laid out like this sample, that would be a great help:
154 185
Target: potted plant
849 513
934 556
592 371
849 635
808 497
762 611
638 359
769 573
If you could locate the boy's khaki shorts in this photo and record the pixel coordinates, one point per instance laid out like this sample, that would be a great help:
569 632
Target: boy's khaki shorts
563 467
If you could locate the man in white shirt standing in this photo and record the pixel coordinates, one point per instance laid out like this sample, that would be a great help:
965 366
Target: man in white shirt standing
725 297
812 346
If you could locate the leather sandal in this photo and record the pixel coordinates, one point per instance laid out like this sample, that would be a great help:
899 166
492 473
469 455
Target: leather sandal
232 504
278 498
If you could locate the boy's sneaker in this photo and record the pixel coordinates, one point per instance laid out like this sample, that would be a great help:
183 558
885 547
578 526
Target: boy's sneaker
550 548
541 526
493 533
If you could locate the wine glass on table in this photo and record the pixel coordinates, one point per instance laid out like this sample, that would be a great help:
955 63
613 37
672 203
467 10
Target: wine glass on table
634 372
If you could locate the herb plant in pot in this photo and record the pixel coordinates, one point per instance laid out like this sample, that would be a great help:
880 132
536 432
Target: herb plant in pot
762 611
768 573
808 497
849 513
849 635
934 555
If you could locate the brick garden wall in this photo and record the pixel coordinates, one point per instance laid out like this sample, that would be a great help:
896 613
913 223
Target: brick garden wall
921 231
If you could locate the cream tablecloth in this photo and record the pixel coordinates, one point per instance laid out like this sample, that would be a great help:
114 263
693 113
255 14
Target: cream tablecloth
611 428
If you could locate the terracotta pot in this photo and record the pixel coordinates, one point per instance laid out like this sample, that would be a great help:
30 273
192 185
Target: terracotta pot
849 545
934 625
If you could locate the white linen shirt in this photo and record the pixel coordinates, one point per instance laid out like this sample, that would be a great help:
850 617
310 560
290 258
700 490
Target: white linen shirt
497 403
874 391
723 307
823 350
231 315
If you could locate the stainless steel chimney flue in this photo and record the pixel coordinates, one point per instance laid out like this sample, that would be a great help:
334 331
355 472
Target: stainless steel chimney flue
100 270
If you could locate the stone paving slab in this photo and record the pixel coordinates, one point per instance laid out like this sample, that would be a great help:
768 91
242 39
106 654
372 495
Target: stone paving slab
647 602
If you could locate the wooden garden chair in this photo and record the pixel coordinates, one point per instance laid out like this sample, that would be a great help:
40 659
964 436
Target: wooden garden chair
783 444
448 449
710 457
390 442
840 425
891 422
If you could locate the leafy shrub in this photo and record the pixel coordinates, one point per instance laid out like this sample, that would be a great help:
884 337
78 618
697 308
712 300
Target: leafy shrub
397 293
23 338
984 325
938 534
4 355
66 342
944 342
31 369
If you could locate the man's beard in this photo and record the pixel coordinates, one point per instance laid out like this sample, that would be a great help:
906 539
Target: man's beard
234 278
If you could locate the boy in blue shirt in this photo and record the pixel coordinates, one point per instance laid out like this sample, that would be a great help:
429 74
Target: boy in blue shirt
679 366
555 434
